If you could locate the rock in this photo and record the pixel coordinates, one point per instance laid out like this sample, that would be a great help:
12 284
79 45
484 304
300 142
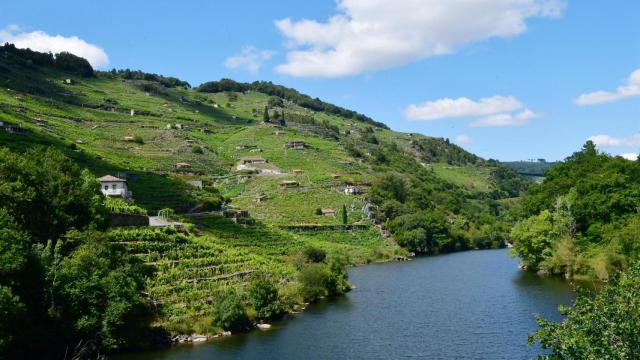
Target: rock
226 333
264 326
198 338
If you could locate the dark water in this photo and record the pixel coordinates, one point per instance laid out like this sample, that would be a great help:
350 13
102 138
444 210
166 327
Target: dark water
471 305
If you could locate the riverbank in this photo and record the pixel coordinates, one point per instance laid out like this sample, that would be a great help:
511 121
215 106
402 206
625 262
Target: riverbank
445 306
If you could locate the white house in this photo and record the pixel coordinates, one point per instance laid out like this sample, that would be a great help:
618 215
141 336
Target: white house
352 190
115 187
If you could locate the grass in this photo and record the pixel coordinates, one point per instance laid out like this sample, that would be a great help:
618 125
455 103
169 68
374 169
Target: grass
474 178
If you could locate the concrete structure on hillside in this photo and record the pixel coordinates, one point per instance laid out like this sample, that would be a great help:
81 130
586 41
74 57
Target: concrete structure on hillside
297 144
253 160
114 187
196 183
182 166
352 190
288 184
328 212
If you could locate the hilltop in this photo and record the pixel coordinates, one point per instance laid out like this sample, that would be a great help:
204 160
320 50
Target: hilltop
314 178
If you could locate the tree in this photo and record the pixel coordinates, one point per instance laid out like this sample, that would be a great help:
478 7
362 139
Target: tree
99 293
15 260
263 297
337 283
265 115
47 194
282 121
229 313
604 326
345 219
74 64
313 280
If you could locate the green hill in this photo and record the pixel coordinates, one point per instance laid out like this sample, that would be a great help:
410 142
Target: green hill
414 193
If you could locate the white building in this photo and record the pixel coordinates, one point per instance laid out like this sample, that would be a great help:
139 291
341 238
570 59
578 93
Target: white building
352 190
115 187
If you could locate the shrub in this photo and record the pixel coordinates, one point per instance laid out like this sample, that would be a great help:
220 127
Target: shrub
263 297
313 279
119 206
314 254
229 313
197 150
600 327
138 139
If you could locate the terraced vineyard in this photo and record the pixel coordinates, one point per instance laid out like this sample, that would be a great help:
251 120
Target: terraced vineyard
190 150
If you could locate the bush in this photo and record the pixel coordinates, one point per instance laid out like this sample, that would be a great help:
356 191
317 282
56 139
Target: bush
606 326
314 254
119 206
229 313
263 297
197 150
313 280
138 140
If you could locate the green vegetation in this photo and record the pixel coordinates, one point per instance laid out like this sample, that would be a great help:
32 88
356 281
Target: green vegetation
604 326
61 282
582 222
119 206
70 279
583 219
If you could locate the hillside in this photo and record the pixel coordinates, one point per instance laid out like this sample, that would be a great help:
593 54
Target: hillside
411 193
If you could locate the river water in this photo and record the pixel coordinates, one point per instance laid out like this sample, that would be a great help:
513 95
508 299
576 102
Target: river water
469 305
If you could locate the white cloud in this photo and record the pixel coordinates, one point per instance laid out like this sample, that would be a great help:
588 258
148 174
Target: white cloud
249 58
369 35
461 107
630 156
630 89
43 42
610 141
463 139
506 119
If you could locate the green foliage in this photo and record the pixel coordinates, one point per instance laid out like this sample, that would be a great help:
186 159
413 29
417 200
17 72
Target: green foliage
318 280
99 296
604 326
345 219
61 285
63 61
168 82
47 193
314 254
302 100
119 206
313 280
197 150
229 313
601 195
275 101
138 140
424 233
435 150
74 64
263 297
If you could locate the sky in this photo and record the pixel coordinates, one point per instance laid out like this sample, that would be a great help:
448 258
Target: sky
505 79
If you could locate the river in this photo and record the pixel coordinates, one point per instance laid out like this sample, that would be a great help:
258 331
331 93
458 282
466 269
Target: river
469 305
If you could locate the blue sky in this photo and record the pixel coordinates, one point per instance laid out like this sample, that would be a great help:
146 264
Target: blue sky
504 78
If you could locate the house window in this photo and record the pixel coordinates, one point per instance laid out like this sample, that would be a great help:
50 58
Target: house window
113 186
106 187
